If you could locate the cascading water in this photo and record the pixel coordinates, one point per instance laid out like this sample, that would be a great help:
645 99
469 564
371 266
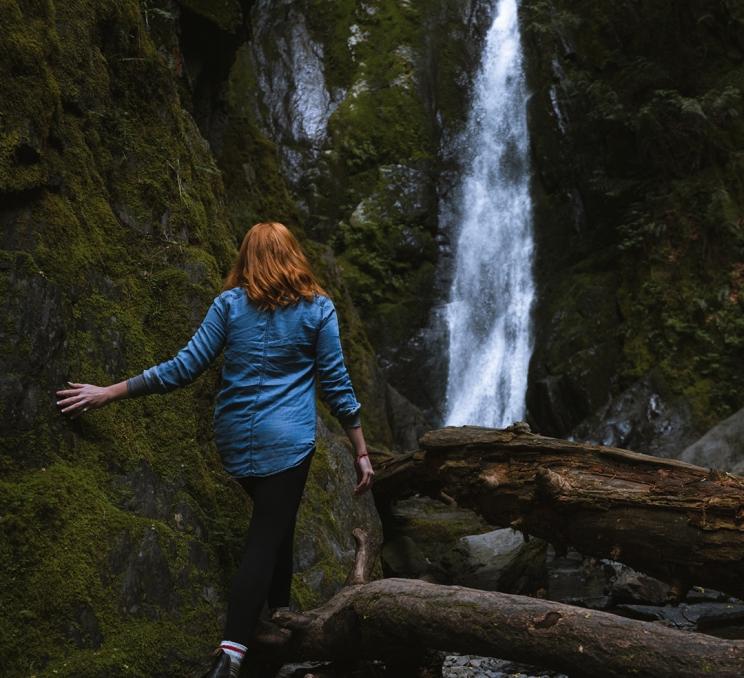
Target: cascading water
488 315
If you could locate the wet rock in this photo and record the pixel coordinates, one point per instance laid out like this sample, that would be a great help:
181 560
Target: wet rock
694 617
722 447
32 341
407 421
576 580
83 629
145 492
698 594
325 548
630 586
226 14
501 560
147 584
402 557
576 351
646 418
433 526
294 103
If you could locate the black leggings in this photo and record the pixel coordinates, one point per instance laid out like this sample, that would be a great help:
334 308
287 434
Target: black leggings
265 572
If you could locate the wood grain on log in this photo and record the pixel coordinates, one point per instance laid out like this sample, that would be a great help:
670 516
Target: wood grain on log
390 618
678 522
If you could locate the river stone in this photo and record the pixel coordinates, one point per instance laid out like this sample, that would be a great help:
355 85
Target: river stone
500 560
473 666
698 594
722 447
576 580
402 557
432 524
635 587
695 617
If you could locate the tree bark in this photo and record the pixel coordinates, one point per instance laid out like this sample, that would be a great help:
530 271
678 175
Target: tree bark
390 618
393 619
677 522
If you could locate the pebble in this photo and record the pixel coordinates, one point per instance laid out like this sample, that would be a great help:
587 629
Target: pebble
471 666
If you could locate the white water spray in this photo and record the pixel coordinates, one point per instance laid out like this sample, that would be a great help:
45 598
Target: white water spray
488 315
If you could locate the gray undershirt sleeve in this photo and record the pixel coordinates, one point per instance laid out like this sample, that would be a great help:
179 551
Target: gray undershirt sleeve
137 386
352 420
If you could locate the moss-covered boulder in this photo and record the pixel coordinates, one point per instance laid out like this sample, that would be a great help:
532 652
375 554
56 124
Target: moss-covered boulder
119 530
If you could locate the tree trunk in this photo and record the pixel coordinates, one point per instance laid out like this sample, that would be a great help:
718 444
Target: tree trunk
677 522
392 618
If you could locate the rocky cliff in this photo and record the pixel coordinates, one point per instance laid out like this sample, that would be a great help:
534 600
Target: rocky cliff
139 140
637 127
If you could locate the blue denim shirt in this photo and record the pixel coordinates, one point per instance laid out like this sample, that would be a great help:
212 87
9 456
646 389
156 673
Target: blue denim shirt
265 413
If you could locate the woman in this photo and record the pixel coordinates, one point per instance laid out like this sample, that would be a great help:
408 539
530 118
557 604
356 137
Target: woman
278 329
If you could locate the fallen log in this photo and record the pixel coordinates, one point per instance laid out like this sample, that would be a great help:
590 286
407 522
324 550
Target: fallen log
677 522
389 618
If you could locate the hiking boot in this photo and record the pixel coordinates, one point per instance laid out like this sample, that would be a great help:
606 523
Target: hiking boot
220 665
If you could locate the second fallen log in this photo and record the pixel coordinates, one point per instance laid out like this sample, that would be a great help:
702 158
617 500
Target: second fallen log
680 523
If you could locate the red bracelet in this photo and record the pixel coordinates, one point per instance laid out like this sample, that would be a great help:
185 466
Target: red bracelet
363 454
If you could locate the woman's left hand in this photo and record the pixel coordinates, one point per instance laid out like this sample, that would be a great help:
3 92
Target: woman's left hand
365 474
81 398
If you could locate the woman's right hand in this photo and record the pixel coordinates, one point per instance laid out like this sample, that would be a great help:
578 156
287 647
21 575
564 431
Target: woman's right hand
80 398
365 474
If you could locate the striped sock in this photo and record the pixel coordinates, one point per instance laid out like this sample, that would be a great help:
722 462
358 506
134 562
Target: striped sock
235 651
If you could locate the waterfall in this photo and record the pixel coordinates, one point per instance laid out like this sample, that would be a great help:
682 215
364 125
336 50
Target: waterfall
489 309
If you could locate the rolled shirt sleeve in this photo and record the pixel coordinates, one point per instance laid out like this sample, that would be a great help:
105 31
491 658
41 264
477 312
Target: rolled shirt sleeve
336 389
202 349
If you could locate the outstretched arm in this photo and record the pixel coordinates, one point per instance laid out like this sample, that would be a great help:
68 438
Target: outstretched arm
83 397
181 370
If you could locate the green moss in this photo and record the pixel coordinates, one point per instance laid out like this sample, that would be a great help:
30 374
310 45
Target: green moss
254 181
655 130
126 238
126 229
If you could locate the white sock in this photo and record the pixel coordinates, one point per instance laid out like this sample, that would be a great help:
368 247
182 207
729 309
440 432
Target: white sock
235 651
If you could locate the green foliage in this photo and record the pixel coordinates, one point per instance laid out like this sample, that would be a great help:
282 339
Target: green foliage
656 119
372 52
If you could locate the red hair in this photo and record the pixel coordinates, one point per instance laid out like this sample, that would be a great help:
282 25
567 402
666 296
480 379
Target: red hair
272 268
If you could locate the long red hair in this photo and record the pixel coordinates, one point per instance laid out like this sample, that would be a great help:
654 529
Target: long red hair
272 268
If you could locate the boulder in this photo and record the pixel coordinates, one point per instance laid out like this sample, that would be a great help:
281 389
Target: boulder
420 531
577 580
500 560
722 447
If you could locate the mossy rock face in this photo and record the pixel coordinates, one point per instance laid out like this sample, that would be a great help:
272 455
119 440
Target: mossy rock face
347 147
119 531
636 121
421 531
